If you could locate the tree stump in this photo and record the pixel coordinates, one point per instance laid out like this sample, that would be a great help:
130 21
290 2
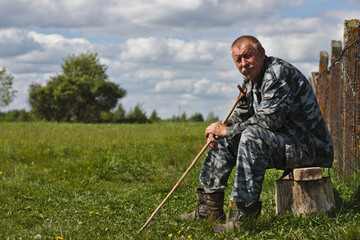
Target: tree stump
306 191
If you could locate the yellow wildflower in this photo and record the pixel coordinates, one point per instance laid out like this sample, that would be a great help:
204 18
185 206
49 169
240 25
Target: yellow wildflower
170 235
1 173
91 212
58 238
189 237
179 232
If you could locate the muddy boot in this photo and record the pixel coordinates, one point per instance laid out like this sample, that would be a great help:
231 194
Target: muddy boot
210 206
243 213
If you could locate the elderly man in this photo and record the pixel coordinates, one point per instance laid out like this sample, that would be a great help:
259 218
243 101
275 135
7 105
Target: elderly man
278 126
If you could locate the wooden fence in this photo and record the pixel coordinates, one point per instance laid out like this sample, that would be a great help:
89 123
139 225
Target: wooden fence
337 89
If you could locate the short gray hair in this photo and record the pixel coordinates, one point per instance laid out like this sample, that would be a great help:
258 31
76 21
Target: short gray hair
256 43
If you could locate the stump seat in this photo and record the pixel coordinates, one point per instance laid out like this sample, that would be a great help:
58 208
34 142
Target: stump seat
303 192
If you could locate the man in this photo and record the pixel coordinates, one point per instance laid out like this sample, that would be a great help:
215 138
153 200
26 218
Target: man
278 126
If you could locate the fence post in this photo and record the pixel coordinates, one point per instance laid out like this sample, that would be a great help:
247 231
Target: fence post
322 92
336 121
313 81
351 97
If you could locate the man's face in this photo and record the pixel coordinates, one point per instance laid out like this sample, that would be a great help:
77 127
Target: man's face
248 60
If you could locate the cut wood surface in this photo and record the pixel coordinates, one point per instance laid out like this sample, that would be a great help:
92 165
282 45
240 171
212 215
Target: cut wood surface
307 174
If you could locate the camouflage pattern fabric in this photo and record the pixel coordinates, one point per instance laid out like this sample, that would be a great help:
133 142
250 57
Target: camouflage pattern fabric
286 131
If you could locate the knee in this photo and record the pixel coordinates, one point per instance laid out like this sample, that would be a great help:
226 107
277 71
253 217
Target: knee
251 133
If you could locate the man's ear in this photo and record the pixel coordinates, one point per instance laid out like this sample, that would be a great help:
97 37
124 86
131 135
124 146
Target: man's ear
262 51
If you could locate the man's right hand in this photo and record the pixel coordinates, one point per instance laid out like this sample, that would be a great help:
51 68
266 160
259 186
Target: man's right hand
212 139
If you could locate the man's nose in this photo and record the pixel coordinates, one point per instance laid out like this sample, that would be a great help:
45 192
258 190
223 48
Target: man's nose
244 63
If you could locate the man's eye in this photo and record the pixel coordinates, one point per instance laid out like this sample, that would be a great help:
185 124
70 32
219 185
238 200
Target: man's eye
247 56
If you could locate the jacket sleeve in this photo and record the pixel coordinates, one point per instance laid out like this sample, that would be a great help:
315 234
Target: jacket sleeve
276 100
242 111
241 114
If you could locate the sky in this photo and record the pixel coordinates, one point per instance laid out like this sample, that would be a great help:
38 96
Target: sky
170 56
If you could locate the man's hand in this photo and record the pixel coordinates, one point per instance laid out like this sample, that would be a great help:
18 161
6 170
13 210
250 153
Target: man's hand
213 132
212 140
218 129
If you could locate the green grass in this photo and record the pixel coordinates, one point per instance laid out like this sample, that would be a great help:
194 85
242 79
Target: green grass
78 181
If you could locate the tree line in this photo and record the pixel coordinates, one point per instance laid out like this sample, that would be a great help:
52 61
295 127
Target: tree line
81 92
136 115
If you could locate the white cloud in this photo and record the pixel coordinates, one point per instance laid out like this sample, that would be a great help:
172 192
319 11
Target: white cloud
278 26
29 52
175 86
15 42
51 14
137 17
211 88
355 2
342 15
144 50
168 55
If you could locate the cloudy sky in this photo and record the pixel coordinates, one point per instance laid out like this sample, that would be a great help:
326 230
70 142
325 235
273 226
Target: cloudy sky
172 56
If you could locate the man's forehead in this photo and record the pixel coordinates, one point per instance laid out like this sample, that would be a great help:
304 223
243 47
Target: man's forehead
241 48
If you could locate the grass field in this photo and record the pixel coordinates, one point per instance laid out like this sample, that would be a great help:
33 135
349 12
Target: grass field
77 181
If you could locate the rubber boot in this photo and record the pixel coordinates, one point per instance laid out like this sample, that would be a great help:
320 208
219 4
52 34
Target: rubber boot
211 205
243 213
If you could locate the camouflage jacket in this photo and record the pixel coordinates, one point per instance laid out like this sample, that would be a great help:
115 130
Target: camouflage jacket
286 106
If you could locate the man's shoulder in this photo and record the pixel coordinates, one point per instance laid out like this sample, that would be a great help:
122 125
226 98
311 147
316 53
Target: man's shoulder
283 71
277 66
275 61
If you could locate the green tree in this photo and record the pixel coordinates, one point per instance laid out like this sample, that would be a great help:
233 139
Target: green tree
137 115
81 92
12 115
7 94
183 117
120 114
24 116
106 117
154 117
211 117
197 117
175 118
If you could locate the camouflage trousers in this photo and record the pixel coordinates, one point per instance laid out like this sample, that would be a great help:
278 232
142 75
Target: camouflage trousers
252 153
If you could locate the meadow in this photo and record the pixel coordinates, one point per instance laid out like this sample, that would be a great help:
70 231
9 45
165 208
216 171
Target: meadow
103 181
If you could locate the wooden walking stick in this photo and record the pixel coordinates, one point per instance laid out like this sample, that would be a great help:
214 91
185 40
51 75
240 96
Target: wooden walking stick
240 97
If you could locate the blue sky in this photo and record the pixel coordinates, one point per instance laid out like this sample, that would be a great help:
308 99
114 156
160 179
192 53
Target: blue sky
311 8
172 57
